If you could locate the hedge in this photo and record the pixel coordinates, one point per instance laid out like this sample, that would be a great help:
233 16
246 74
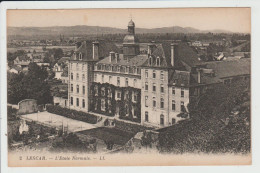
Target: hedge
129 127
73 114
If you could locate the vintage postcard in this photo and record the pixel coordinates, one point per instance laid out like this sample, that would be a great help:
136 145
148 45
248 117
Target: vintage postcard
128 87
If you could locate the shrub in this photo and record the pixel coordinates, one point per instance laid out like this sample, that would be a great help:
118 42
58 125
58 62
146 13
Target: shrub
129 127
73 114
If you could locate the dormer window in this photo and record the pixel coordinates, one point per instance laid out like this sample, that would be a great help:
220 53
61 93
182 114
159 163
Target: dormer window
80 56
158 63
150 60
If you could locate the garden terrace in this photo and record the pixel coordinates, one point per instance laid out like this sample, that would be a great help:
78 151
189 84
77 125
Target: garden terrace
114 135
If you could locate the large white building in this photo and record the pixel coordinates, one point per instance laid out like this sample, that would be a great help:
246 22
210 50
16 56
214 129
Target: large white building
153 89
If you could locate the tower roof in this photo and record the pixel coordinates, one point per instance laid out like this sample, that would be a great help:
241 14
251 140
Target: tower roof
131 23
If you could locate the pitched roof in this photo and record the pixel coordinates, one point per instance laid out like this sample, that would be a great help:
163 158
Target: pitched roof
63 59
184 55
17 68
135 61
224 69
23 58
180 78
104 48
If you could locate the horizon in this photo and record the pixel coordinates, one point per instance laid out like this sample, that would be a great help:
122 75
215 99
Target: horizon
236 20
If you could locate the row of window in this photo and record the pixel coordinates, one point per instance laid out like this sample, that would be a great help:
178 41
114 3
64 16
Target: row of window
77 102
77 76
146 118
162 104
154 87
154 74
121 69
158 61
118 80
77 88
77 66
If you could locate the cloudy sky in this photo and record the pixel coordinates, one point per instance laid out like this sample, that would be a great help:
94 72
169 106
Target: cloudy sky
232 19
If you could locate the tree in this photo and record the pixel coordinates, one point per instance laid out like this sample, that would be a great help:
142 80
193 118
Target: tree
32 85
15 88
211 127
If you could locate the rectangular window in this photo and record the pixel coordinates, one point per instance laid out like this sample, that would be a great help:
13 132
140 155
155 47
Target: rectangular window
110 79
146 86
119 95
162 88
71 76
134 82
135 97
183 107
77 88
162 103
146 101
83 103
162 75
95 77
77 101
71 100
71 87
77 76
146 73
173 105
146 116
182 92
126 82
83 77
173 90
118 81
83 89
154 102
154 87
154 74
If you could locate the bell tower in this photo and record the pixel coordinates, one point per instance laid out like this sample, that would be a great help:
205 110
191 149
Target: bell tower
131 43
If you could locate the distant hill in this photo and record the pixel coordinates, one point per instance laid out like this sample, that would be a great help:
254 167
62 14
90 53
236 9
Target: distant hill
91 30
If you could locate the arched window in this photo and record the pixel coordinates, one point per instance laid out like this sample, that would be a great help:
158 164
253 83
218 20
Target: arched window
161 119
80 56
150 60
158 63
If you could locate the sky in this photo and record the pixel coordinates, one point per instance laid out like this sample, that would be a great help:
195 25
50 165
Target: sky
231 19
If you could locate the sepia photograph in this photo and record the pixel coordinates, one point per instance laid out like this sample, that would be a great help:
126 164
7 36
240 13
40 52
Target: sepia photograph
128 86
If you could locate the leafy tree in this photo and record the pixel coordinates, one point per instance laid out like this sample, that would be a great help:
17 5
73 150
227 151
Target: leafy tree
12 56
16 90
211 128
32 85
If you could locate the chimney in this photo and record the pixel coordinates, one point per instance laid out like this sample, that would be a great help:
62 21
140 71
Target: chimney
95 45
151 47
117 57
173 53
111 56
